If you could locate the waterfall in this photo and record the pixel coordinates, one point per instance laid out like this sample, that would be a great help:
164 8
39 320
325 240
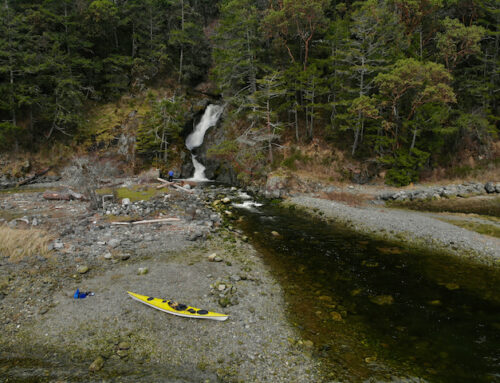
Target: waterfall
195 139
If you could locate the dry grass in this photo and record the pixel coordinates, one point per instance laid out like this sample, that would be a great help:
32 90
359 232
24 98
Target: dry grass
18 244
481 228
350 199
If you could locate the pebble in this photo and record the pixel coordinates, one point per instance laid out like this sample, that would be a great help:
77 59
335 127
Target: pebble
214 258
308 343
123 346
97 364
336 316
371 359
82 269
121 256
114 242
122 353
142 271
382 300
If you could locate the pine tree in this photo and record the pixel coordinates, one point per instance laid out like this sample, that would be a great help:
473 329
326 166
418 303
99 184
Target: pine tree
237 48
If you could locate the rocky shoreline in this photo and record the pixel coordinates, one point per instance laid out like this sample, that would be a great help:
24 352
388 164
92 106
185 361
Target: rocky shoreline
197 260
414 228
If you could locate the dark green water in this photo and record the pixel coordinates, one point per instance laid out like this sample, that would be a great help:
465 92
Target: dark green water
413 314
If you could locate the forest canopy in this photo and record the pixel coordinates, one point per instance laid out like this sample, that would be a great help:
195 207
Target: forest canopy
404 83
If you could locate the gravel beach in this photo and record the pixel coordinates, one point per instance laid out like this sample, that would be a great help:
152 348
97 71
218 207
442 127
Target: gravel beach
409 226
48 334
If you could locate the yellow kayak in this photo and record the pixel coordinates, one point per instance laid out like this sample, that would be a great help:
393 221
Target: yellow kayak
178 309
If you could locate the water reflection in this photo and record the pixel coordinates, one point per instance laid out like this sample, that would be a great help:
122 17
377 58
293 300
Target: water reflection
363 301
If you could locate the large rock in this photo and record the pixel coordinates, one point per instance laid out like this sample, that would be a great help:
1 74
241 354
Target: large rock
490 187
276 185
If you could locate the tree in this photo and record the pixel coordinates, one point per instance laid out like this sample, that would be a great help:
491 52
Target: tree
404 91
264 112
237 46
458 41
295 20
411 84
372 42
418 17
161 128
363 108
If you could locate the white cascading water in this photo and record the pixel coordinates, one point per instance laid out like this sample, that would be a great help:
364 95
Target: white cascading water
195 139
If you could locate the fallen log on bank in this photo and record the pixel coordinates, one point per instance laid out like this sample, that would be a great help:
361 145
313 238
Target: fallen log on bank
63 196
55 196
34 177
147 221
182 189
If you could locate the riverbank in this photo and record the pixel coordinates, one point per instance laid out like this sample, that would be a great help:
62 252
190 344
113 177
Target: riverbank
410 227
49 335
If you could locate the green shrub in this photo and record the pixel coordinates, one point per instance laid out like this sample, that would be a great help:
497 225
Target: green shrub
405 166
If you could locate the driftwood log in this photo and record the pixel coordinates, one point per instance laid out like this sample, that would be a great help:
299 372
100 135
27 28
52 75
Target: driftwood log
34 177
63 196
147 221
56 196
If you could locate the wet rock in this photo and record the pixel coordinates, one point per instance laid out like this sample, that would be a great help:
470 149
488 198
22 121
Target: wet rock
382 300
371 359
452 286
97 364
123 346
336 316
122 353
308 343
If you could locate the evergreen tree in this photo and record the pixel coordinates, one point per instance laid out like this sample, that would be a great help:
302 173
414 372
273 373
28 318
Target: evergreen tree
237 47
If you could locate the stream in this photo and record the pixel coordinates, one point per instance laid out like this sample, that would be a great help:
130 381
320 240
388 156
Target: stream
376 311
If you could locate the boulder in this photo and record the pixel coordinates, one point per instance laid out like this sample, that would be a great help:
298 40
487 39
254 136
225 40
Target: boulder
490 187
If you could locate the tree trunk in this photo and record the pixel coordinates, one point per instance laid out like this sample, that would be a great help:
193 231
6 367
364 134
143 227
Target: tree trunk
182 48
356 135
270 147
296 122
133 39
414 138
66 27
253 80
12 98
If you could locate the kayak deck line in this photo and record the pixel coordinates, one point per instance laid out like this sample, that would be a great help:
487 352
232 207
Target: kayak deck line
171 307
